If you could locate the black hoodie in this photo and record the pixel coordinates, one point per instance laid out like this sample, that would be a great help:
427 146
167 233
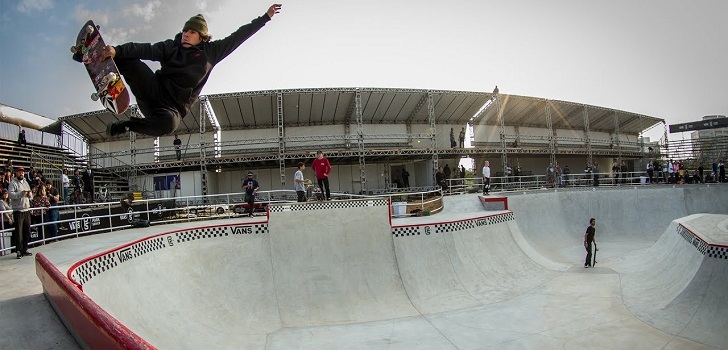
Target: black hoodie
184 71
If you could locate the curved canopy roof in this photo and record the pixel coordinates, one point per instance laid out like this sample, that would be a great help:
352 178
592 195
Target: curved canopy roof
325 106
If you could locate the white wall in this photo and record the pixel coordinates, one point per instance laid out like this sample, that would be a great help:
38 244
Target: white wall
242 135
381 129
322 130
487 133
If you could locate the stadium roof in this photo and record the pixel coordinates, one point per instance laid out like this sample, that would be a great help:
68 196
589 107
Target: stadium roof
22 118
326 106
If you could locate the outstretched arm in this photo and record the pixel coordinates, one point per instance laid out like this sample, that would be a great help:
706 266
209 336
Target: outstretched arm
222 48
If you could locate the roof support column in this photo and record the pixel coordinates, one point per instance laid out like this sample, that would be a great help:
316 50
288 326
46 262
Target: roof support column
360 141
666 154
617 141
281 140
156 149
411 117
550 127
135 113
587 136
203 146
408 127
387 176
433 133
502 130
347 122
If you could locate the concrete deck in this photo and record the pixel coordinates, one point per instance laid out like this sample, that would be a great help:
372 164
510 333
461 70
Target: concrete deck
340 278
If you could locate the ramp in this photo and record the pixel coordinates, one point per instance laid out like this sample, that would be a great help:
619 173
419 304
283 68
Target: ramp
465 264
629 220
335 263
680 285
333 275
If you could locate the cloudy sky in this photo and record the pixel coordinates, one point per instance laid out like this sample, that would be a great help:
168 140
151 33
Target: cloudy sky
662 58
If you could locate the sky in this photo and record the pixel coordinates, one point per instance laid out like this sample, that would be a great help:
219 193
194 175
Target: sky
662 58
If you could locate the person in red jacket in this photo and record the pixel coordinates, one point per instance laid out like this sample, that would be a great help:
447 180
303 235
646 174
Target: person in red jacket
322 168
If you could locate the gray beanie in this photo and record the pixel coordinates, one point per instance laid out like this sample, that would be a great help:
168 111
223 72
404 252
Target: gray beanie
198 24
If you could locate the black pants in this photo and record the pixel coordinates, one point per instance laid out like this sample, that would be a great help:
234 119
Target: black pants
179 153
21 234
160 117
405 182
588 261
596 180
486 185
301 196
13 243
39 229
324 186
250 198
88 193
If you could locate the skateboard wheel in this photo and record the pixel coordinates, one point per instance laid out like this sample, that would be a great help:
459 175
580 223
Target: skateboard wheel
74 49
89 29
95 96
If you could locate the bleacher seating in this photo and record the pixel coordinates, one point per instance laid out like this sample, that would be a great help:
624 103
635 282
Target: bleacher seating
52 160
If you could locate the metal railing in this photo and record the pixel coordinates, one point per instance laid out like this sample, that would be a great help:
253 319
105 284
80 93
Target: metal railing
93 218
537 182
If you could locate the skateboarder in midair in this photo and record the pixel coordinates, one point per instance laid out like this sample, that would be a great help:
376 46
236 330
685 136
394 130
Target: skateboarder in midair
165 96
588 240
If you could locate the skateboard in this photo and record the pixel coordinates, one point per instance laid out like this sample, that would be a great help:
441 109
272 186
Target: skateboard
110 88
594 256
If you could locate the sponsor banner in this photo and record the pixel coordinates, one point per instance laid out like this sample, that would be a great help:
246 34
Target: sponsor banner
94 219
700 125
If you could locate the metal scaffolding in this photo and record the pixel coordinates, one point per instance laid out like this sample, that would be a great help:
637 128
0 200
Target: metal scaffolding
618 141
281 140
501 131
203 148
551 136
269 151
360 142
587 137
433 134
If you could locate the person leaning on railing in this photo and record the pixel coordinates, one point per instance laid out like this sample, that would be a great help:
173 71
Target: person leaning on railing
8 215
39 207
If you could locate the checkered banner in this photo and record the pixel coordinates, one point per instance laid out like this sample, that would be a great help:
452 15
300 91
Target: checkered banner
409 231
354 203
100 264
711 251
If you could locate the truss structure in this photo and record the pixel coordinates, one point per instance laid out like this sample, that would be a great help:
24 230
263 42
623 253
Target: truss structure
361 106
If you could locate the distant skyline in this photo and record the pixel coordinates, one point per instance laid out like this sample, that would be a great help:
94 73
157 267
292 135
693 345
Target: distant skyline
665 59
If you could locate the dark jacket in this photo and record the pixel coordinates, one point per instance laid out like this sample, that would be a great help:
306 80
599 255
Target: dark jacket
184 71
252 186
88 181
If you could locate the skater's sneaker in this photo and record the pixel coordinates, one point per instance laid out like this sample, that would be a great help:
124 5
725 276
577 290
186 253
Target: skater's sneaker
27 254
19 255
116 128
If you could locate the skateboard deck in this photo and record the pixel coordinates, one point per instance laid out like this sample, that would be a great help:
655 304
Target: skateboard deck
594 255
110 88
